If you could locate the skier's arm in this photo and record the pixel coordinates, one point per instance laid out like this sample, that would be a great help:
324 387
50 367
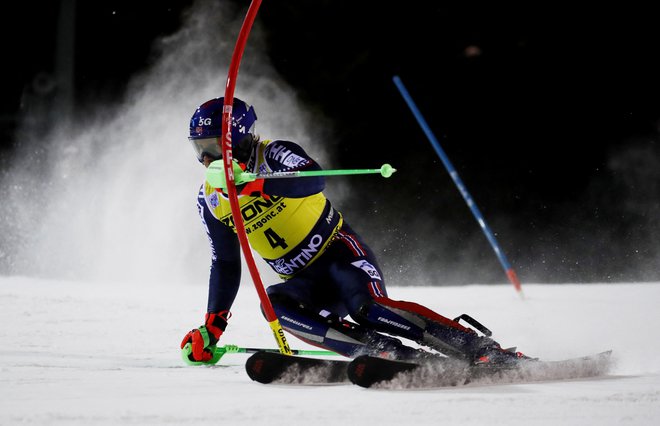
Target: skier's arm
224 280
225 274
285 156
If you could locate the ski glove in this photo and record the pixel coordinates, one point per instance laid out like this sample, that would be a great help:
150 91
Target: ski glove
198 346
245 184
215 175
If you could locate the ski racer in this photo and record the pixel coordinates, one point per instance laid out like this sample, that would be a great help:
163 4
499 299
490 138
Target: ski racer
328 271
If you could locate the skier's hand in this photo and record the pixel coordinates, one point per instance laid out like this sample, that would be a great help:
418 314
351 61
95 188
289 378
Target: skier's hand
215 175
198 345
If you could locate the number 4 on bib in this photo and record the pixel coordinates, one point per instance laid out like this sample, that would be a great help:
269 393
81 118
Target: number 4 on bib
275 240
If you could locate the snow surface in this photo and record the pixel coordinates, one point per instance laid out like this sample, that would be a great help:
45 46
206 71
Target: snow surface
90 352
86 353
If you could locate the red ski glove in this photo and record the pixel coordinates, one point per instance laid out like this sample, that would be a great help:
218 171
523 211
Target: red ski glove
203 339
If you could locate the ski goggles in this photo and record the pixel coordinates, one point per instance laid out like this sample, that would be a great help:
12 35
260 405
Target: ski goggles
206 146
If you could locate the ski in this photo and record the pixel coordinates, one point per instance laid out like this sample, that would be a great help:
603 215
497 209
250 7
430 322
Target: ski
274 367
368 371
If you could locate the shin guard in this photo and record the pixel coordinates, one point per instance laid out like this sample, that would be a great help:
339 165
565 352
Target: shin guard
422 325
329 331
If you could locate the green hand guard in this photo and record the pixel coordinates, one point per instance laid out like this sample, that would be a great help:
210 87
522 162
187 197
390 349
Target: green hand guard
217 354
215 175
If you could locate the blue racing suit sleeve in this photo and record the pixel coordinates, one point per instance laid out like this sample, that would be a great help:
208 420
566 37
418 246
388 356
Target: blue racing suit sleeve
286 156
225 274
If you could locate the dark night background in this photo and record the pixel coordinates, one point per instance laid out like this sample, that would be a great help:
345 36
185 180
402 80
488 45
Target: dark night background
550 113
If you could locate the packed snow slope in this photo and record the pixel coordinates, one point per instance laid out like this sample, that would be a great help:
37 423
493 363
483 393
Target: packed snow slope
83 353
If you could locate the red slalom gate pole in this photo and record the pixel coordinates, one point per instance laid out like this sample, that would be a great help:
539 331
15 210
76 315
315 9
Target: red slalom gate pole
225 144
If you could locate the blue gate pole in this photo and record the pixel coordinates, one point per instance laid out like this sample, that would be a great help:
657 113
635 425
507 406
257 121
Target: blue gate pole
510 273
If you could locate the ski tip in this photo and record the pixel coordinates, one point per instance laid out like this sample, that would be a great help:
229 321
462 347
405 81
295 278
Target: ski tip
358 373
255 368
